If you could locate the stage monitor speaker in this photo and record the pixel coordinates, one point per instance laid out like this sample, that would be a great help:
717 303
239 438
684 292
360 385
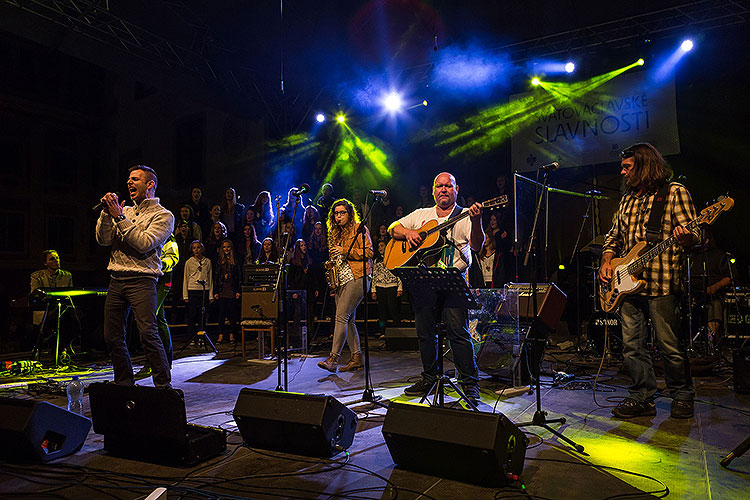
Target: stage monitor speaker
401 339
303 424
741 370
150 424
474 447
32 431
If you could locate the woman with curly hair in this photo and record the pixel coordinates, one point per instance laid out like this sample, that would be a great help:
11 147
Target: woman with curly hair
343 223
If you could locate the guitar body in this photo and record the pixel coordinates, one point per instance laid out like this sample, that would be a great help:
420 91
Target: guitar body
398 253
622 283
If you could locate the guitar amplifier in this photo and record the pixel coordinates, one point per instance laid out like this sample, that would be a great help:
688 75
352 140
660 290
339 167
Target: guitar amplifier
737 308
550 302
260 274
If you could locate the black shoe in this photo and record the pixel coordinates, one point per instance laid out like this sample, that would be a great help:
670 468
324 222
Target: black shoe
629 408
682 408
471 391
420 388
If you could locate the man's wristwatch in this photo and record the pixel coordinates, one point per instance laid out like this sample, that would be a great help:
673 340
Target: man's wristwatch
119 218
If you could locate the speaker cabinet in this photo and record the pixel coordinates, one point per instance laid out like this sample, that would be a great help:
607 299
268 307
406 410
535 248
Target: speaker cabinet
741 370
401 339
303 424
33 431
150 424
474 447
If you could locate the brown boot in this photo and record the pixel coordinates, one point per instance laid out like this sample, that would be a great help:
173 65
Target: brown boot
355 363
330 363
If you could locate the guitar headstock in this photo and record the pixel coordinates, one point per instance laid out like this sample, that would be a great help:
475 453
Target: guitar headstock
709 214
498 201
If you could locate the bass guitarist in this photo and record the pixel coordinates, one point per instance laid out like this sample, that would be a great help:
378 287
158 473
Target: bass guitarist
461 238
648 195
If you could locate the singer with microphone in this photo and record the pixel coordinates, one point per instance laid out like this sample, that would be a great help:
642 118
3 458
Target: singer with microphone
294 195
136 234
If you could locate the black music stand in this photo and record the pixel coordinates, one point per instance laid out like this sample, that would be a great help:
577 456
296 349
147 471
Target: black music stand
448 286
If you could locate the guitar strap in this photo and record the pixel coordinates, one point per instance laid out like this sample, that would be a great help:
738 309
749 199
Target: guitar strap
450 247
656 217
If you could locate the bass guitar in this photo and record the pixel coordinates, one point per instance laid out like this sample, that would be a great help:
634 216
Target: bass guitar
399 253
625 273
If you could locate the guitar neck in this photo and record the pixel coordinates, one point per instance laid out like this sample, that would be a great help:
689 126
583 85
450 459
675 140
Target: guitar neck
448 223
639 263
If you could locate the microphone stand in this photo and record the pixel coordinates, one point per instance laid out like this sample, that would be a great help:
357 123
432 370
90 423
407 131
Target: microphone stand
368 396
540 416
280 289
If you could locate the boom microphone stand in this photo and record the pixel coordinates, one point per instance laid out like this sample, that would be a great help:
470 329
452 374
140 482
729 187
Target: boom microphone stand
368 395
540 416
280 290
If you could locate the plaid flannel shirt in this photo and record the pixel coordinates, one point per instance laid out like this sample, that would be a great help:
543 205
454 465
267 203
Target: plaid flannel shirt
662 274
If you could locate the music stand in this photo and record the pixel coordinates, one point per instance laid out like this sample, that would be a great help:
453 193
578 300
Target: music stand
449 287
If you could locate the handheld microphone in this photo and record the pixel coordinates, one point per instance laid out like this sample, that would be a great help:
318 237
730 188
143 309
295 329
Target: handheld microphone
103 204
549 167
381 193
302 189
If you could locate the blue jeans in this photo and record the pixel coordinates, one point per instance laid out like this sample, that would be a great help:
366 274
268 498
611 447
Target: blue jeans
456 320
665 320
162 290
140 295
348 298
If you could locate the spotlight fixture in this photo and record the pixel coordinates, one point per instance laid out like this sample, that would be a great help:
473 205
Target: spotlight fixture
393 102
687 45
320 117
640 62
424 103
570 67
535 81
340 118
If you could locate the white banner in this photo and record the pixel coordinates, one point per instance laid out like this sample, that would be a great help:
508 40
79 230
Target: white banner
595 127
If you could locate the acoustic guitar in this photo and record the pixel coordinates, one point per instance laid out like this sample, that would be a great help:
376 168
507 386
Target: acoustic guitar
398 252
625 273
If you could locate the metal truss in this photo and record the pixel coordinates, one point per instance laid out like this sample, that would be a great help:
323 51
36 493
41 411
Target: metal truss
700 16
92 18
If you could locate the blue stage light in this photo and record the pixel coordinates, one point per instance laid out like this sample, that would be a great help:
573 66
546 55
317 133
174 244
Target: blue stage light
570 67
393 102
320 117
687 45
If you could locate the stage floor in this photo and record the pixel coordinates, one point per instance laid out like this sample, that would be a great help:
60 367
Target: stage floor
636 458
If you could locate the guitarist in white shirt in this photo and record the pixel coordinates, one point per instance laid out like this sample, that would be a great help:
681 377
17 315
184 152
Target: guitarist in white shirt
646 178
466 235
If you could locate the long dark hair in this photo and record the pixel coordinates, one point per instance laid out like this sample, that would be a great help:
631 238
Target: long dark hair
298 258
264 211
650 169
273 257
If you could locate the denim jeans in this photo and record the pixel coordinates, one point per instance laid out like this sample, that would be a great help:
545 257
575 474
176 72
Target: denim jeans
162 290
665 320
348 298
140 295
456 320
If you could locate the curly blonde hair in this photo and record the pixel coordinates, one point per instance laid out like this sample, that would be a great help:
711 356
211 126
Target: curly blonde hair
335 232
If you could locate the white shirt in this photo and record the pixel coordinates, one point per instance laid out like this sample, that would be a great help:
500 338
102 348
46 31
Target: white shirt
459 233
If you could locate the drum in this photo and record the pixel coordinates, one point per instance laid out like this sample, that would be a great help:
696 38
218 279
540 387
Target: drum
598 322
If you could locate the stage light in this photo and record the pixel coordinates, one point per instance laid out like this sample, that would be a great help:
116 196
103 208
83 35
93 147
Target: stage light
570 67
687 45
393 102
340 118
732 260
320 117
561 267
640 62
535 81
424 103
